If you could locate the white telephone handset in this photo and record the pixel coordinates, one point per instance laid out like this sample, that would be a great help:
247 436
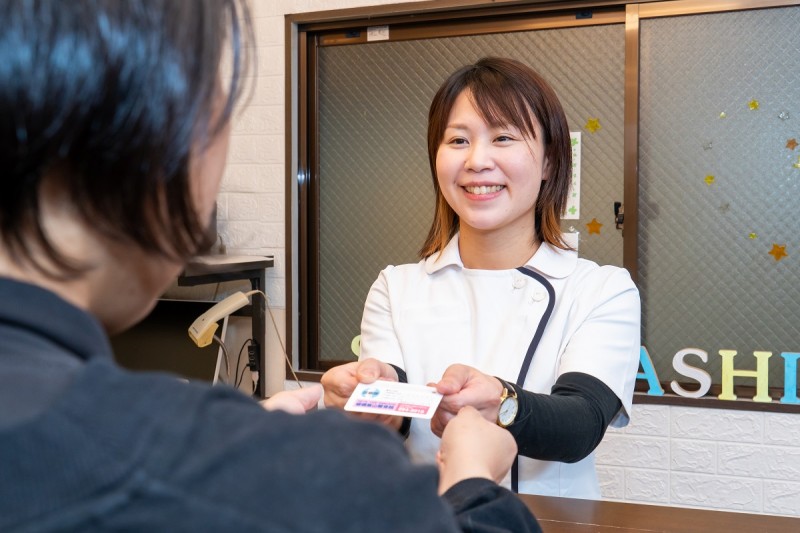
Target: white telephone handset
203 328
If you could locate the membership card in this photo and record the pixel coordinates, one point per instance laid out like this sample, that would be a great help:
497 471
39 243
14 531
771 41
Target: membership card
392 398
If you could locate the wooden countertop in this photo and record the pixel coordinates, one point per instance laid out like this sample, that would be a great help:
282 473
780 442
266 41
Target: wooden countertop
567 515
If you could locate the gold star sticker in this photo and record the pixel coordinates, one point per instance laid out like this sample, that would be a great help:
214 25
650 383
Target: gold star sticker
753 235
709 180
593 124
594 226
778 251
791 144
753 104
723 114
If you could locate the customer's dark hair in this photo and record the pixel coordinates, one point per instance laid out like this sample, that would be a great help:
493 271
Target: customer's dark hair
111 98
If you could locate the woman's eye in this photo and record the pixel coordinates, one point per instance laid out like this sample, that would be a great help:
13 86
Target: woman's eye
458 141
504 138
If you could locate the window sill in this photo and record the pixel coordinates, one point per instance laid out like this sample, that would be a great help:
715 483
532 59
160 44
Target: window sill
744 402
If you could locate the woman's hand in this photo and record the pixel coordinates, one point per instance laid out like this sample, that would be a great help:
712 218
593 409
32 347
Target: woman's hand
473 447
463 385
296 401
340 381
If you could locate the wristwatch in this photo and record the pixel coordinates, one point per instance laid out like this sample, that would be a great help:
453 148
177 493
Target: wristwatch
508 406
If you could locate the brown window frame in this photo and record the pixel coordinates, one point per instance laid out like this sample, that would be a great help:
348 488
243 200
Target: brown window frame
306 32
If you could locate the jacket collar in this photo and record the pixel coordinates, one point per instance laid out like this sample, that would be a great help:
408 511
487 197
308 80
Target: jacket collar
548 260
37 315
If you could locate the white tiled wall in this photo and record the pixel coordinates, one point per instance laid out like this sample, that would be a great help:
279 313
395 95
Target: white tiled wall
707 458
733 460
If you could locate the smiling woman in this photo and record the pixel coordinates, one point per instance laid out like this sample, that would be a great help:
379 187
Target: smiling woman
502 96
501 312
490 176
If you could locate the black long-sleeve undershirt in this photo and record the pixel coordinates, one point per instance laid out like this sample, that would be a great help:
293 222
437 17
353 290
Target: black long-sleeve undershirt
567 424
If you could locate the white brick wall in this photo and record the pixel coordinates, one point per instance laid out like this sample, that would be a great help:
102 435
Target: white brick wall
251 205
706 458
733 460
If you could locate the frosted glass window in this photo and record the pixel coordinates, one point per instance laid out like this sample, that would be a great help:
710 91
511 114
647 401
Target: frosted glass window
719 187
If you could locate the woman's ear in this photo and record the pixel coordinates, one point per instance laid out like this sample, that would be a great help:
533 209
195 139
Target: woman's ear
546 169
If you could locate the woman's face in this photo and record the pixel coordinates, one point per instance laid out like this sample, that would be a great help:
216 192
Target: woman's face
490 176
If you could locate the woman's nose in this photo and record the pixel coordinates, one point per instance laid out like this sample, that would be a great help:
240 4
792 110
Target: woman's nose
479 157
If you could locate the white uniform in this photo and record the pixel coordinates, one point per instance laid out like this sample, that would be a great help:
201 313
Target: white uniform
424 317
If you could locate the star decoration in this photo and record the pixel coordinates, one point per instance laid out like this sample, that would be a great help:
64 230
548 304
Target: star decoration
593 124
778 251
797 165
753 104
709 180
572 210
753 236
723 114
574 142
791 144
594 226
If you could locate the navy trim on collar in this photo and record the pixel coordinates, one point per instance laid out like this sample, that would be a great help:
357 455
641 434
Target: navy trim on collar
526 363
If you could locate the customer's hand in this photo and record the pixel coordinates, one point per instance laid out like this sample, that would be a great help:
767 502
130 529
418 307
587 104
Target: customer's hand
463 385
296 401
474 447
340 381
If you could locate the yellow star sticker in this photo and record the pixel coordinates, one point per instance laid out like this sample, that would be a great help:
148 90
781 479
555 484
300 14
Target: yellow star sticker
593 124
709 180
791 144
753 235
594 226
753 104
778 251
723 114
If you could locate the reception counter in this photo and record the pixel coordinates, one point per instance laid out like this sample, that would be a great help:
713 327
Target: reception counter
566 515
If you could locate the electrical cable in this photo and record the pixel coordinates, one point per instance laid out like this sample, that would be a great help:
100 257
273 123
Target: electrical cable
239 360
277 333
227 358
241 375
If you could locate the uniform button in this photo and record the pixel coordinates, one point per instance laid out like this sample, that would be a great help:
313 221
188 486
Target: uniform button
519 283
538 296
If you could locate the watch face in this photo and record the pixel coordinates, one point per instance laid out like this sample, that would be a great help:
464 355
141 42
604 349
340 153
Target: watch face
508 411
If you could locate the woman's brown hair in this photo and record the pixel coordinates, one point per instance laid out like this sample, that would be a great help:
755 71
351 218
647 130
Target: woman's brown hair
505 92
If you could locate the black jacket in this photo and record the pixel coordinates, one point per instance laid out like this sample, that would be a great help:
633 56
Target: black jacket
88 446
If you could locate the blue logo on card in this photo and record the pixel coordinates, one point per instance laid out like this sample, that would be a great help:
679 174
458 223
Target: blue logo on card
370 392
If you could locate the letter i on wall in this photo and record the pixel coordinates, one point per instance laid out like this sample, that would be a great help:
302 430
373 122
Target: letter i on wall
790 377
